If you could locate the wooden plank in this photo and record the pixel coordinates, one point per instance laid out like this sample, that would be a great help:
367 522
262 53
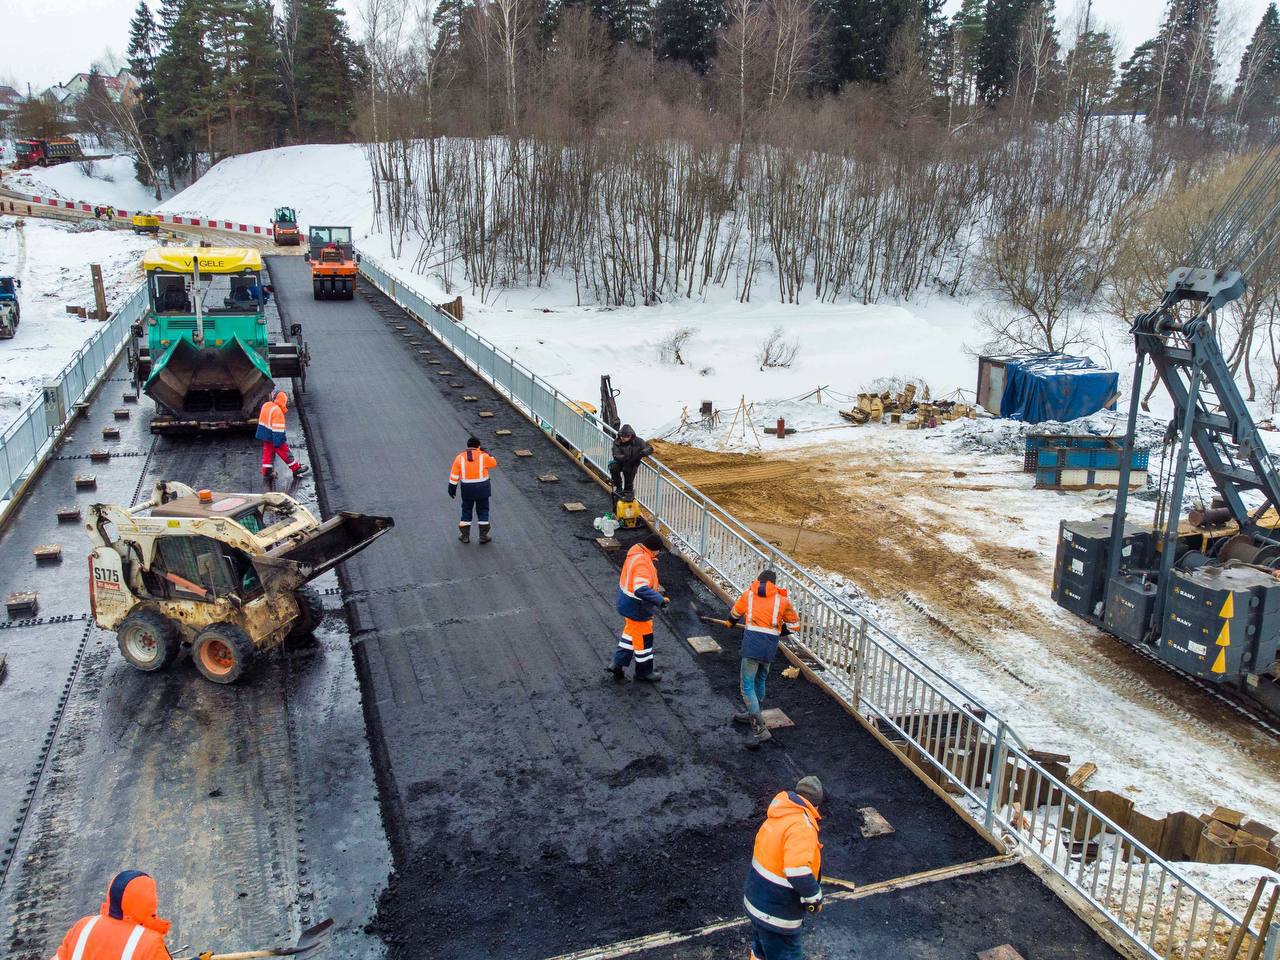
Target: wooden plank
86 481
775 719
48 553
110 433
99 456
486 413
121 413
22 603
608 543
1002 952
548 478
704 644
502 432
467 398
1082 774
1044 756
573 506
873 823
68 514
524 453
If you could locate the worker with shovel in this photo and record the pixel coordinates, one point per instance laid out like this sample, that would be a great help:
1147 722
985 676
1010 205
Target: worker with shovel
639 594
783 883
126 926
765 612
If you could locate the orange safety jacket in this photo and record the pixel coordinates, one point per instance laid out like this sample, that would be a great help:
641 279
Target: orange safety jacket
786 865
271 419
127 927
639 591
764 608
471 466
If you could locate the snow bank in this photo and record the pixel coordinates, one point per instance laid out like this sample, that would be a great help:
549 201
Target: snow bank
109 182
52 261
325 183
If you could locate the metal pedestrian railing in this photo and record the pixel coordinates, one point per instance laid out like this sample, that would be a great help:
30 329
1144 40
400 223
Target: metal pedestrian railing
972 753
28 441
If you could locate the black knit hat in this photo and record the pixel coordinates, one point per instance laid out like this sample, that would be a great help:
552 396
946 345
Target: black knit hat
472 442
767 575
653 542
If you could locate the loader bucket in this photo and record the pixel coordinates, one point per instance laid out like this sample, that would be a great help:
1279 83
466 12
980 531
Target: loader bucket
210 384
289 566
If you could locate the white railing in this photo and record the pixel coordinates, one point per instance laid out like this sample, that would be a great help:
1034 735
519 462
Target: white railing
971 752
28 441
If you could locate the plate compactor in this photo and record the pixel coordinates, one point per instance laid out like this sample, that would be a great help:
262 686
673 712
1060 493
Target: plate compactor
203 352
333 263
221 574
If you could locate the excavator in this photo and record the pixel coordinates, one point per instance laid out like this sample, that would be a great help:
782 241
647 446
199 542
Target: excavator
333 263
202 352
1199 592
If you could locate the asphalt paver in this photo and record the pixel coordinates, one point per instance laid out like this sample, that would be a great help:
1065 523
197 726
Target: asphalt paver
535 807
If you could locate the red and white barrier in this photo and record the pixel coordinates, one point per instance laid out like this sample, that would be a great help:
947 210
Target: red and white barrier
222 225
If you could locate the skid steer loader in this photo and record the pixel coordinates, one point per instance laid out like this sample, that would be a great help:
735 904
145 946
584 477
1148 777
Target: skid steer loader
223 574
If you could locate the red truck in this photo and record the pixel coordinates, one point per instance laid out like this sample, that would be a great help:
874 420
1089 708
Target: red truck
43 153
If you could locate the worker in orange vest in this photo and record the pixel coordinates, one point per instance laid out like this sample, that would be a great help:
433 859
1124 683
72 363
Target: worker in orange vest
126 928
784 881
765 612
271 433
471 472
639 594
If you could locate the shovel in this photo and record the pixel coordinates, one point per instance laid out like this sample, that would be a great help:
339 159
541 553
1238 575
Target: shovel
311 940
786 630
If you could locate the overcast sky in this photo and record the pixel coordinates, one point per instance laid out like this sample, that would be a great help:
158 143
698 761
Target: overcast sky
50 40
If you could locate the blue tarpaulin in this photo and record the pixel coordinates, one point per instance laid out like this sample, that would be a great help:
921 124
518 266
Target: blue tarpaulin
1056 387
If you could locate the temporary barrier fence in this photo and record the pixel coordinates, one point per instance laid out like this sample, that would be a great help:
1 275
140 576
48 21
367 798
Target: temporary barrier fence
28 441
80 206
969 751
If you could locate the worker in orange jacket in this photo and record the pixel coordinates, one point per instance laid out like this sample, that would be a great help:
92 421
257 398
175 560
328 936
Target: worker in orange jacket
638 595
471 472
765 612
271 433
784 882
126 928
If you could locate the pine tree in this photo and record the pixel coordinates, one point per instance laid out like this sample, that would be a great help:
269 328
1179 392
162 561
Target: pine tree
1137 79
998 47
184 84
963 40
1183 62
861 33
1090 72
144 42
685 31
326 71
1257 89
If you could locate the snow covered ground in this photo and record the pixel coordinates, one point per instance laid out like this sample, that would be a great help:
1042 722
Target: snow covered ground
52 261
108 182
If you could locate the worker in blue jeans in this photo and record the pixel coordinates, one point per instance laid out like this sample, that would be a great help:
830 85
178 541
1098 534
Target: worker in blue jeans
764 611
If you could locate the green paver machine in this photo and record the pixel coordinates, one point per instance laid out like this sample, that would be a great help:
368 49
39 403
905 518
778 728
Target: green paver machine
203 353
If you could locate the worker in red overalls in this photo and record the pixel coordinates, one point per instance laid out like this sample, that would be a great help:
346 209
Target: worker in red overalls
126 928
271 433
471 472
639 594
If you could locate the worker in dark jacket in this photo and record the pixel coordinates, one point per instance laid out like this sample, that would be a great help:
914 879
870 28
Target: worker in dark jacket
628 451
784 881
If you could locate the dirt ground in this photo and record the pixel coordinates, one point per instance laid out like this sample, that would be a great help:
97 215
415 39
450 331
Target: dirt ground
957 555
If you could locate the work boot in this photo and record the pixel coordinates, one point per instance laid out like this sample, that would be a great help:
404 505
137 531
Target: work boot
269 476
302 470
484 533
654 677
759 734
619 675
464 534
743 718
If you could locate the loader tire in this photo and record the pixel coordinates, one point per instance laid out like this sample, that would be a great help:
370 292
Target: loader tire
148 640
310 616
222 652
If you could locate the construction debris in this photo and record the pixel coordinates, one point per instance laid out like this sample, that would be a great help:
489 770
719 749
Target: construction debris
873 824
903 408
775 719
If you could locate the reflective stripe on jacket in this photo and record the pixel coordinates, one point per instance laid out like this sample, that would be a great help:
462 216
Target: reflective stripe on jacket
271 423
471 466
763 608
103 938
638 588
786 865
